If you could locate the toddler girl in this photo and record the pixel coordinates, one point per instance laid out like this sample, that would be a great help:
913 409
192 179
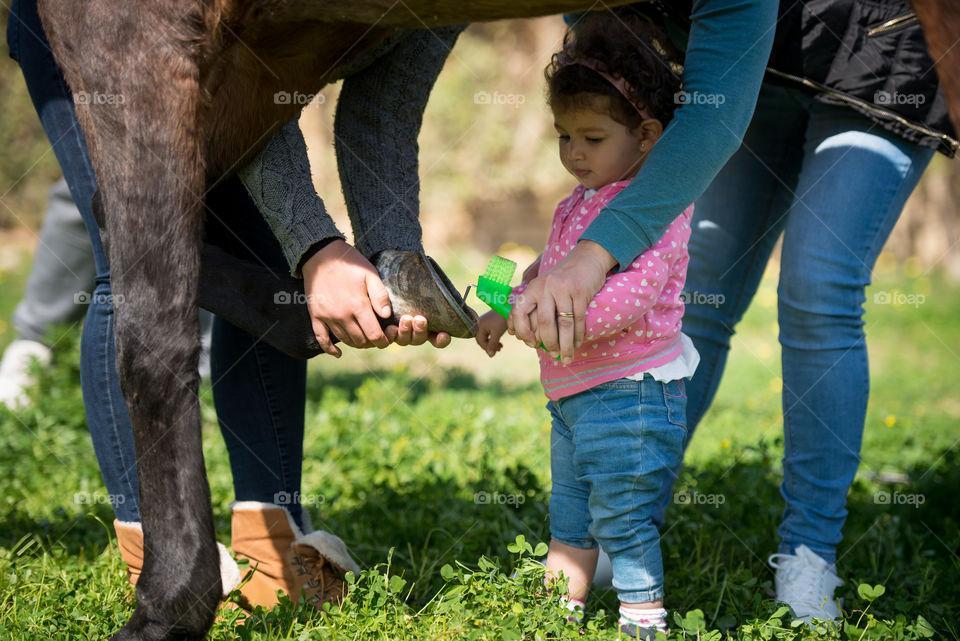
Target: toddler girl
618 408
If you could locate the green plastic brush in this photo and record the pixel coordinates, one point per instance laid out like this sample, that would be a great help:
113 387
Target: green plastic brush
493 287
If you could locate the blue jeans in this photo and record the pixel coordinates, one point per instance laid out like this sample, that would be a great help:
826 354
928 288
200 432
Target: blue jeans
259 393
833 184
613 450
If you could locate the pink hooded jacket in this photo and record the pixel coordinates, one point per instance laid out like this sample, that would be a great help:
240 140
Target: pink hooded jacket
633 323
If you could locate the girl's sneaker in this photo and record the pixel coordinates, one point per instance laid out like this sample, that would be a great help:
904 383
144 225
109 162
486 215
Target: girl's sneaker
642 625
575 606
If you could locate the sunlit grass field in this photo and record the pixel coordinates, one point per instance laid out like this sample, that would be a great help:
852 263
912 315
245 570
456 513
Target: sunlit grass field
403 445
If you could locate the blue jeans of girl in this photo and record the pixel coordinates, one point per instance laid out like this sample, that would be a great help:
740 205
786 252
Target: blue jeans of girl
259 393
833 184
613 450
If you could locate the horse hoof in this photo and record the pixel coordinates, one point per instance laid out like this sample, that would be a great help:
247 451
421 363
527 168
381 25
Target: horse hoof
418 286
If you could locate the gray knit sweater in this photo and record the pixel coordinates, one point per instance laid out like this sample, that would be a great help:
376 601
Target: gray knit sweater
376 126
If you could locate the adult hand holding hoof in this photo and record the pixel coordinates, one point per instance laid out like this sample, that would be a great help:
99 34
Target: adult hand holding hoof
345 297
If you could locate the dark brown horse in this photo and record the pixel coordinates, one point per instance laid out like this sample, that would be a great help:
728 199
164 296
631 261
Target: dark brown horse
198 79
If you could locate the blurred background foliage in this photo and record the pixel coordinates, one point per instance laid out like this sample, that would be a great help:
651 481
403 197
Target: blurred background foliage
489 171
27 163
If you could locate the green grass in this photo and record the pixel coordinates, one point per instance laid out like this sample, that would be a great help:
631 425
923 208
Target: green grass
400 442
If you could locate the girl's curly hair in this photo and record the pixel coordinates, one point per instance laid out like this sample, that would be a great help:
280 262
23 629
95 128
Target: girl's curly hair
623 42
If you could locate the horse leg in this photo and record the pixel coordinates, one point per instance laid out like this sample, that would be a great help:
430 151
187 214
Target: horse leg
135 67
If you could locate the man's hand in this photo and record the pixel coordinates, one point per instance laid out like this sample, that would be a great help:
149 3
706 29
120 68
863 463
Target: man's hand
553 307
344 296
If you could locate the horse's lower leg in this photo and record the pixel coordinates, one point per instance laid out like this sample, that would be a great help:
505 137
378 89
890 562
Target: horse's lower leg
155 265
154 228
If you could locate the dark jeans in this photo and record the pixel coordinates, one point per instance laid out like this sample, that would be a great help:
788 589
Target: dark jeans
259 393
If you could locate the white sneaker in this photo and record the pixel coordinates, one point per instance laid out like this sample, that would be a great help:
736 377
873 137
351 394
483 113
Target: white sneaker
15 376
805 582
603 577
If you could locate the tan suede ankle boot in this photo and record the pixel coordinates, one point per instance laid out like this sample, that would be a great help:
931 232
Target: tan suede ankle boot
282 558
130 542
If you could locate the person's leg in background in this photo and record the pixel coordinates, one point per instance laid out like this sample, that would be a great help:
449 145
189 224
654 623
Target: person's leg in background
260 394
855 180
843 197
56 293
106 410
251 378
735 226
62 271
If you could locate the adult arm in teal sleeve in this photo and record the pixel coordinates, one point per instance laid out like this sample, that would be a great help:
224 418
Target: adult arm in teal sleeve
730 42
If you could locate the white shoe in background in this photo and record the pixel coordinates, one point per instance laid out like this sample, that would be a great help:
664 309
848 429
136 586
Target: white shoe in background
15 376
806 582
603 577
